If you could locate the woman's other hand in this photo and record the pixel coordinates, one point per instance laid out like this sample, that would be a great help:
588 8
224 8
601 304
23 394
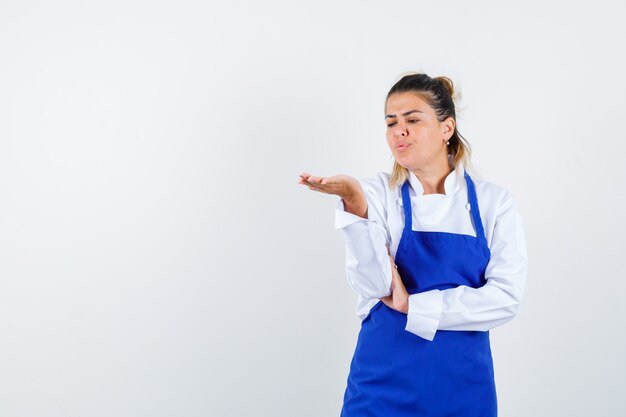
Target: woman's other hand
399 298
346 187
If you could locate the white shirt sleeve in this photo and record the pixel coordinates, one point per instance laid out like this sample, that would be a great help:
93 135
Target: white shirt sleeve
368 268
495 303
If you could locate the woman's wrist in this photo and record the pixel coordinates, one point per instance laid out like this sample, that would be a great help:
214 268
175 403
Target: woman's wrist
356 204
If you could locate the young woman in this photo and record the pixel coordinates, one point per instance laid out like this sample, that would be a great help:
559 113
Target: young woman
437 259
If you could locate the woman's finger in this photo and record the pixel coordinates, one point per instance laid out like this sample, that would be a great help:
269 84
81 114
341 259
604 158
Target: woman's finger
325 187
308 182
304 181
311 178
315 187
311 185
393 262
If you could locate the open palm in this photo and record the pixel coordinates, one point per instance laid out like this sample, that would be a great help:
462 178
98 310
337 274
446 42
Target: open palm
342 185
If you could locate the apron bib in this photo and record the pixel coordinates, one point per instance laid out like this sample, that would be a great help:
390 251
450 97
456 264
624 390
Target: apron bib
395 373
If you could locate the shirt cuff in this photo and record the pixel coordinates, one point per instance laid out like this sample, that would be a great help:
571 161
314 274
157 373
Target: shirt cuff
344 218
424 313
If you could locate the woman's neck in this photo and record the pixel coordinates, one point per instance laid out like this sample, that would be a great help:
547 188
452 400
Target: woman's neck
433 177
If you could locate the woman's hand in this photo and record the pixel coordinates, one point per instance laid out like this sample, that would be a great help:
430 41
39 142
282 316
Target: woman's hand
399 298
346 187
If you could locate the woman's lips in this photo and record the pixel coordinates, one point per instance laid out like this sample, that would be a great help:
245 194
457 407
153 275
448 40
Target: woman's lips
403 146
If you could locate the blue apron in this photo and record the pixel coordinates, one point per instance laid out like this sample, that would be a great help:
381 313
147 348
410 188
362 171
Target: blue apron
395 373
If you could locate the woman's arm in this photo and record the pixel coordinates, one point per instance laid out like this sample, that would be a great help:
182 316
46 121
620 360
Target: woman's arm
368 269
361 215
495 303
356 204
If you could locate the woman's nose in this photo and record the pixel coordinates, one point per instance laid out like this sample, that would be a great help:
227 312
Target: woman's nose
400 131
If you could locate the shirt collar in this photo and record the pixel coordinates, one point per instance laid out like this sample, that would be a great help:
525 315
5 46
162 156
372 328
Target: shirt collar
451 183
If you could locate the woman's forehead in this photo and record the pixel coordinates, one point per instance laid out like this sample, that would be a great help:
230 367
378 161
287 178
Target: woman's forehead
400 103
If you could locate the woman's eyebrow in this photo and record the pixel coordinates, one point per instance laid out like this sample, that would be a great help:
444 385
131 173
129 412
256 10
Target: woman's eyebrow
404 114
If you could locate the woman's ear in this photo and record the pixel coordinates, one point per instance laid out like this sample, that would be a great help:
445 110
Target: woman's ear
447 128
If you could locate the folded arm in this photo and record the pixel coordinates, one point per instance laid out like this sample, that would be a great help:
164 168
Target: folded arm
495 303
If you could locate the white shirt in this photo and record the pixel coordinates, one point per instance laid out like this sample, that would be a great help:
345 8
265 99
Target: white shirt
368 268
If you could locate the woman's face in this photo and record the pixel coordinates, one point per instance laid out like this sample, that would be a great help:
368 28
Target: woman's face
414 135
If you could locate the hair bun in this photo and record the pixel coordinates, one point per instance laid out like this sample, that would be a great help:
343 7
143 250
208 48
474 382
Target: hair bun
449 87
447 83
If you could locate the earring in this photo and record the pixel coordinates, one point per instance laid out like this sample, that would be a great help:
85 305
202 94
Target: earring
447 142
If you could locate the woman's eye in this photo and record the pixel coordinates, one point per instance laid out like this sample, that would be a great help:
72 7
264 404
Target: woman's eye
410 121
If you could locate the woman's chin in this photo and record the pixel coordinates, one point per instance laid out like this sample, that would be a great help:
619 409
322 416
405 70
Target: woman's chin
407 163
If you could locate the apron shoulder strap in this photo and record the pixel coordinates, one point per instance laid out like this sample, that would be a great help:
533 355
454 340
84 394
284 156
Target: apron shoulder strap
406 204
474 210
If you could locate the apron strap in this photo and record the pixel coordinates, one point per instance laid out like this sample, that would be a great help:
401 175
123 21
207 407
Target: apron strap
406 204
474 210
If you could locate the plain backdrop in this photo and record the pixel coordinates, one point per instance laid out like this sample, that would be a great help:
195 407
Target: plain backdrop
159 258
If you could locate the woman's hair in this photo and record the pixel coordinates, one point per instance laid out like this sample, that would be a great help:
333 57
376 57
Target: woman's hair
438 92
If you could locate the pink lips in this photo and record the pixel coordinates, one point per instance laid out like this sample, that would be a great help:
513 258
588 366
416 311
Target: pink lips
402 146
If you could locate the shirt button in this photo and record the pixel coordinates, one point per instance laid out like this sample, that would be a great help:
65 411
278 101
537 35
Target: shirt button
467 206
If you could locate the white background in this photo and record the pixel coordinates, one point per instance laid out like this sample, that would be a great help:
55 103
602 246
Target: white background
158 258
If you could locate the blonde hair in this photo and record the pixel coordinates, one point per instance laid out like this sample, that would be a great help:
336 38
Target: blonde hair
439 93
